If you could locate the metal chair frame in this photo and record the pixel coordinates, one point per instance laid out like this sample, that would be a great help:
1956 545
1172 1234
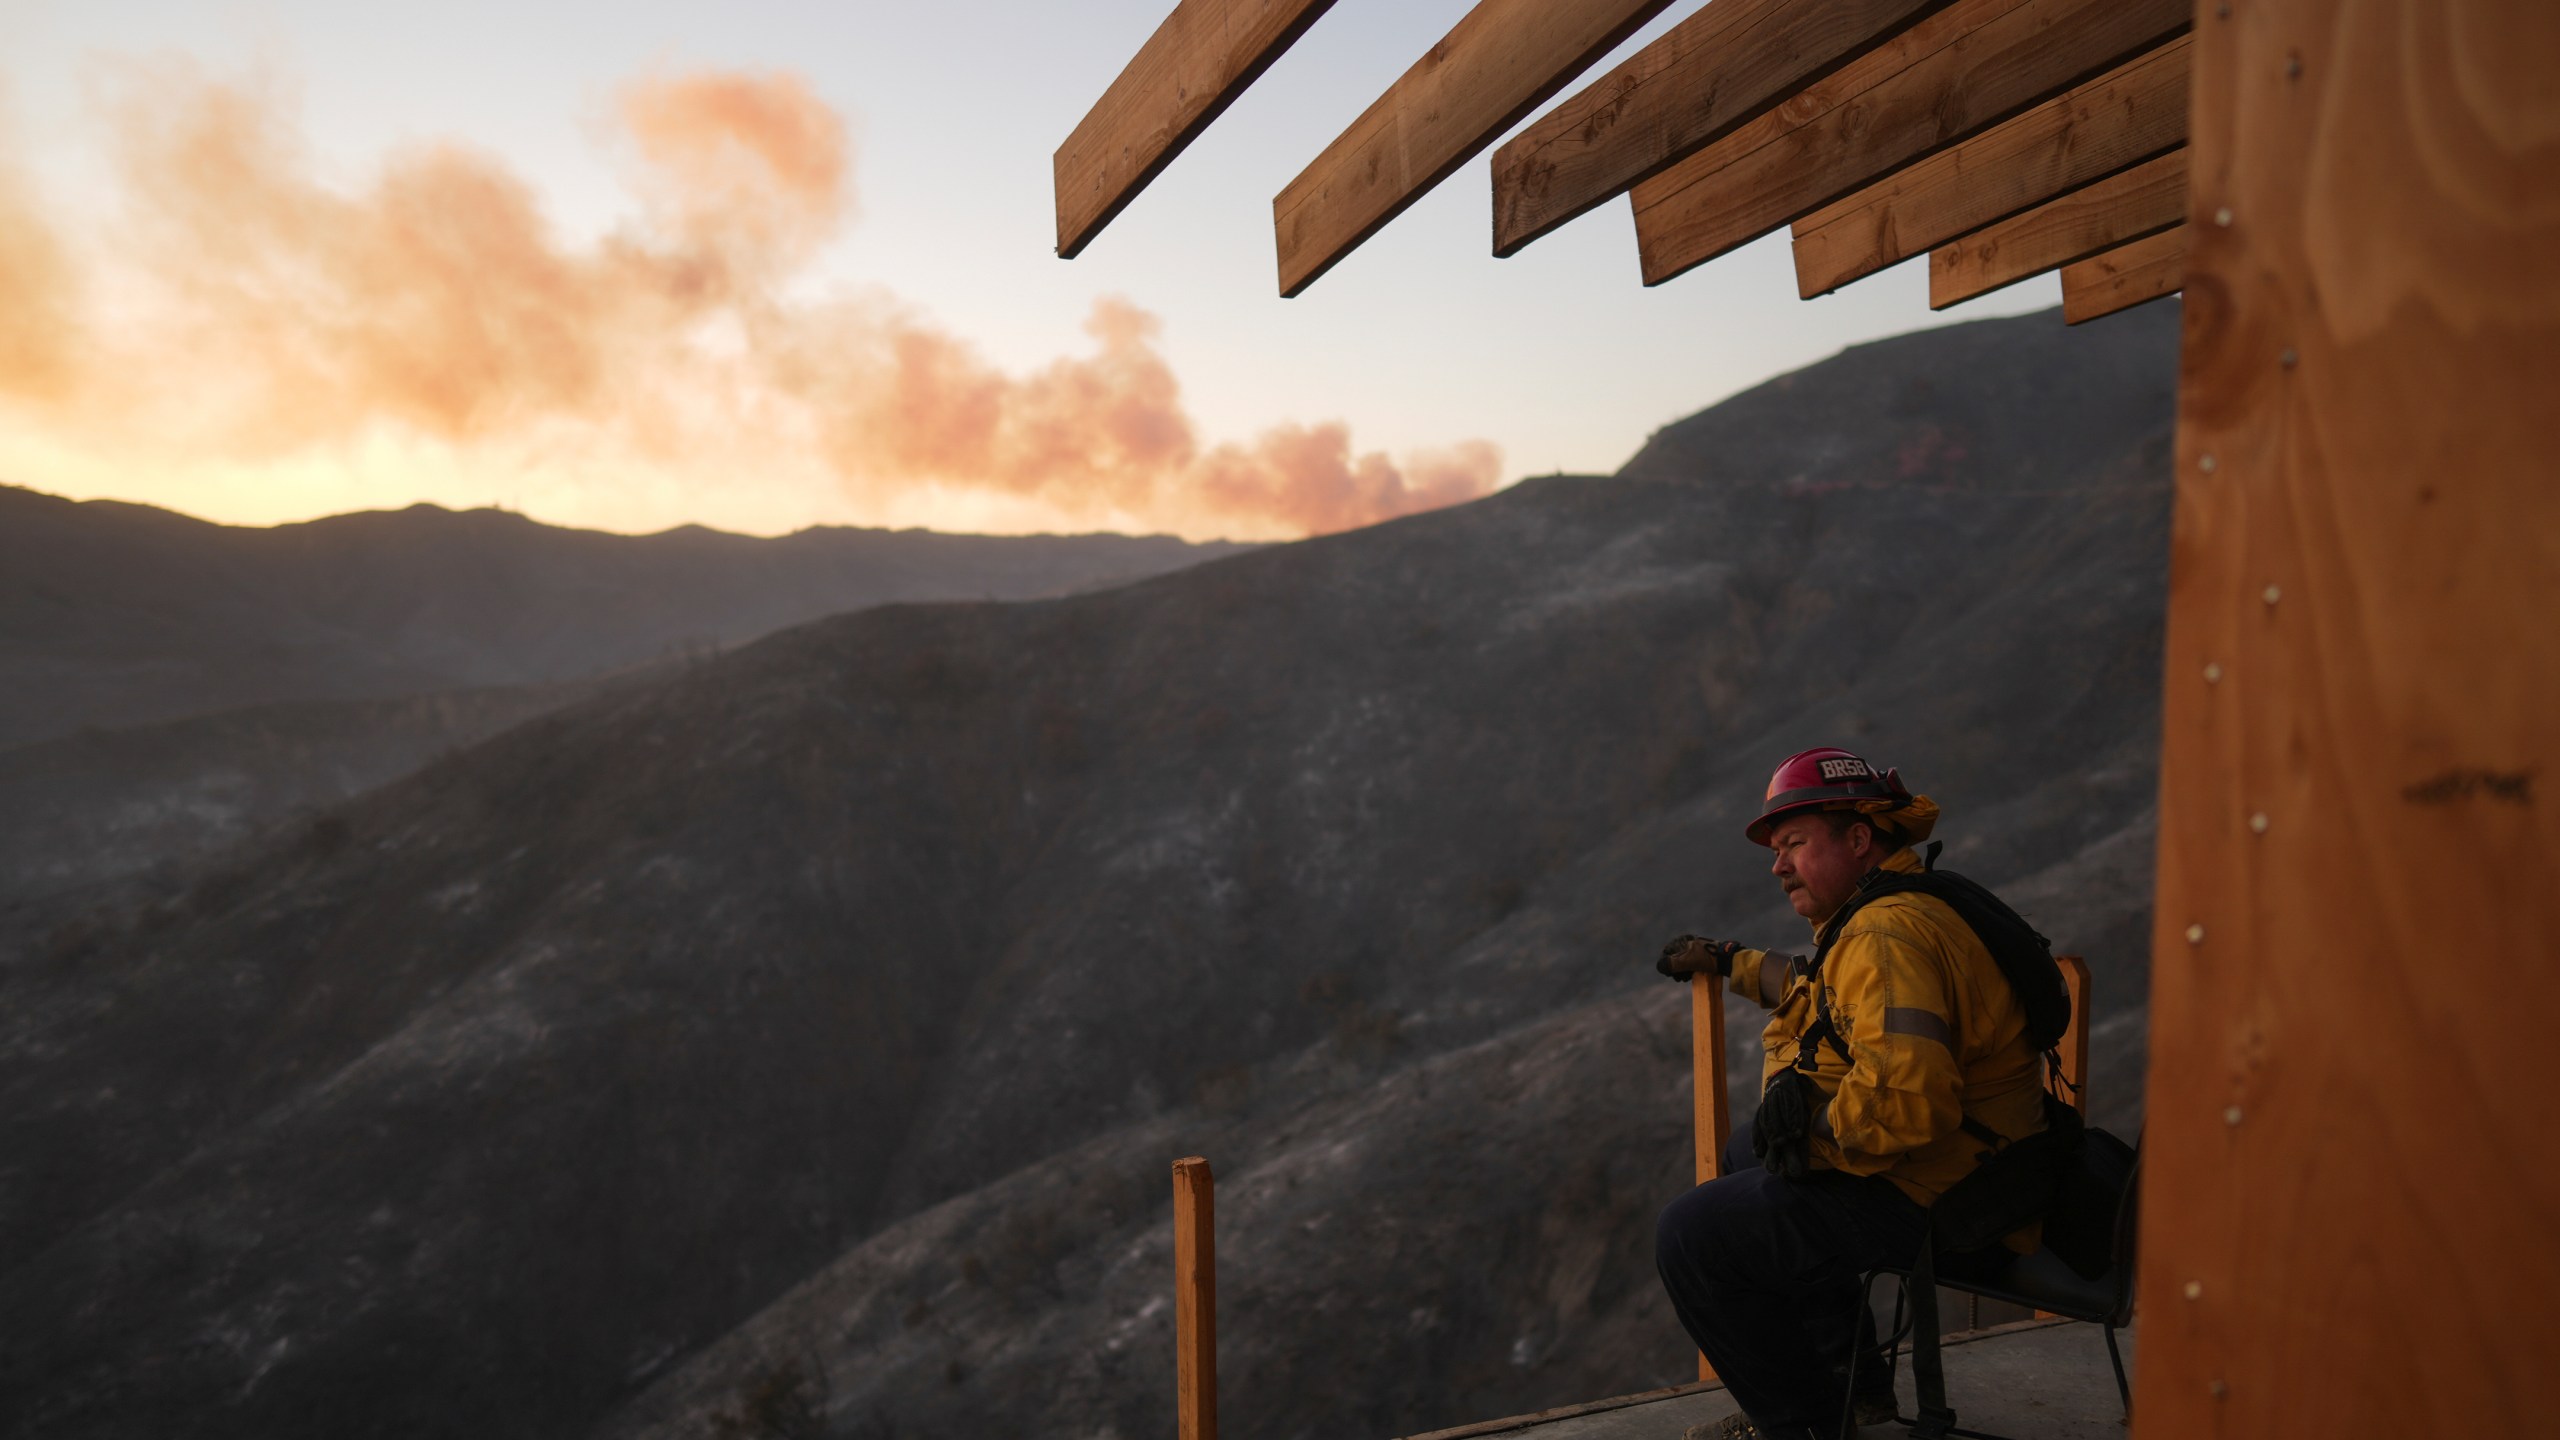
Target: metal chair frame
2117 1313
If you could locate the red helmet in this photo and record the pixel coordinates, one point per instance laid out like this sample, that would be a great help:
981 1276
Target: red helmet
1818 779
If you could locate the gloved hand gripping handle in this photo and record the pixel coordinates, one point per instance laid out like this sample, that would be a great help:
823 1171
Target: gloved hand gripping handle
1688 955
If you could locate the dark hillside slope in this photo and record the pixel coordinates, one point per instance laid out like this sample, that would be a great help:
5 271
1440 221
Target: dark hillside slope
833 1007
89 808
114 615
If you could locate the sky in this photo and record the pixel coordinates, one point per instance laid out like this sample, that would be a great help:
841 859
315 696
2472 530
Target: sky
764 265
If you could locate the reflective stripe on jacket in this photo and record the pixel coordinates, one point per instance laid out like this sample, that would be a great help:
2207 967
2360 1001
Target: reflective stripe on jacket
1933 1032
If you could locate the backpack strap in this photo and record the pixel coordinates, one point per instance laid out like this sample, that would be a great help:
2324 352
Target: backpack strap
1824 1030
2055 1077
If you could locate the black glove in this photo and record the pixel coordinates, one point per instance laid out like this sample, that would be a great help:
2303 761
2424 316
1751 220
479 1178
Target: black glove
1781 1132
1688 954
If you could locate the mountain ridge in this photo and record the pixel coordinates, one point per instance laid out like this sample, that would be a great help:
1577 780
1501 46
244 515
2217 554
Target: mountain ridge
114 614
169 685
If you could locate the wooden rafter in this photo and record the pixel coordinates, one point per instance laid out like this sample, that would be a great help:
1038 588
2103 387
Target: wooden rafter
1945 79
2127 205
1709 74
2125 276
2130 114
1195 64
1504 59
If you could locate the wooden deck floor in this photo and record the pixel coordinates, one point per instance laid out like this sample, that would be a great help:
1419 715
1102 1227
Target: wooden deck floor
2034 1380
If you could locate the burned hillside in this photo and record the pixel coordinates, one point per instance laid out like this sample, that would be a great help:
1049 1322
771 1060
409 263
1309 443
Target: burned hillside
816 1022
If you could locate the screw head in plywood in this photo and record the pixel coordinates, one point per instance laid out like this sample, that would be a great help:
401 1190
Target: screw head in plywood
2258 823
2195 1289
2272 594
2212 673
2222 217
2231 1115
2207 464
2289 358
2195 934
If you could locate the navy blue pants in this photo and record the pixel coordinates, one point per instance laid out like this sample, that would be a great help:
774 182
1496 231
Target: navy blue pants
1764 1272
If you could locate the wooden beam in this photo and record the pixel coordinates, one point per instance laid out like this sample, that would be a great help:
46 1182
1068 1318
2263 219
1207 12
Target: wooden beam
2127 205
1711 1111
1709 74
1503 59
1195 1299
2128 115
2344 1175
1196 63
1962 70
2124 277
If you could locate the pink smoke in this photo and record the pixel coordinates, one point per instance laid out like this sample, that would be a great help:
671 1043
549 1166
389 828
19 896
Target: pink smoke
437 301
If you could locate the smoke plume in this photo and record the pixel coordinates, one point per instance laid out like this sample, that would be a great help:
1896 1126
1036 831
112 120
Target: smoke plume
268 314
37 336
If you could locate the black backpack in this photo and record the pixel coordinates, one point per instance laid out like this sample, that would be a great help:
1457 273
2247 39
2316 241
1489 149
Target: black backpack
2025 958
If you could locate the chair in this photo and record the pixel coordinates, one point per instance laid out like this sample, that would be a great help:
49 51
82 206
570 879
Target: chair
2038 1280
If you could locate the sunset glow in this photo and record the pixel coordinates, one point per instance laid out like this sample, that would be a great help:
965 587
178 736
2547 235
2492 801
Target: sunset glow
265 260
276 346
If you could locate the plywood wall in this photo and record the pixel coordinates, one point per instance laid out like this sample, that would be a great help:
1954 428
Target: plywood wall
2352 1221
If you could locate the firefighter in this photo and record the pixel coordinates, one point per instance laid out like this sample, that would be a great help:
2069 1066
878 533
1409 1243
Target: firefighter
1889 1051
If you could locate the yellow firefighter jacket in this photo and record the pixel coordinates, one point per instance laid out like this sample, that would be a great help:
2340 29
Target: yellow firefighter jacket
1933 1032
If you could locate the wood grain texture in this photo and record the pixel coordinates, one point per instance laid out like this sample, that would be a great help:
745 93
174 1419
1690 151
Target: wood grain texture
1503 59
1711 1115
2128 115
2127 205
1960 71
1711 1109
2347 1156
1196 63
1195 1299
1704 77
2125 276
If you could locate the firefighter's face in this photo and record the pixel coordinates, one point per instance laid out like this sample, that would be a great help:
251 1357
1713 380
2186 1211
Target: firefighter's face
1817 866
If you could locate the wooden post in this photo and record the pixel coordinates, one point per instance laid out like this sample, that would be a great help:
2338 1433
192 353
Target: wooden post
2348 1185
1195 1299
1711 1117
